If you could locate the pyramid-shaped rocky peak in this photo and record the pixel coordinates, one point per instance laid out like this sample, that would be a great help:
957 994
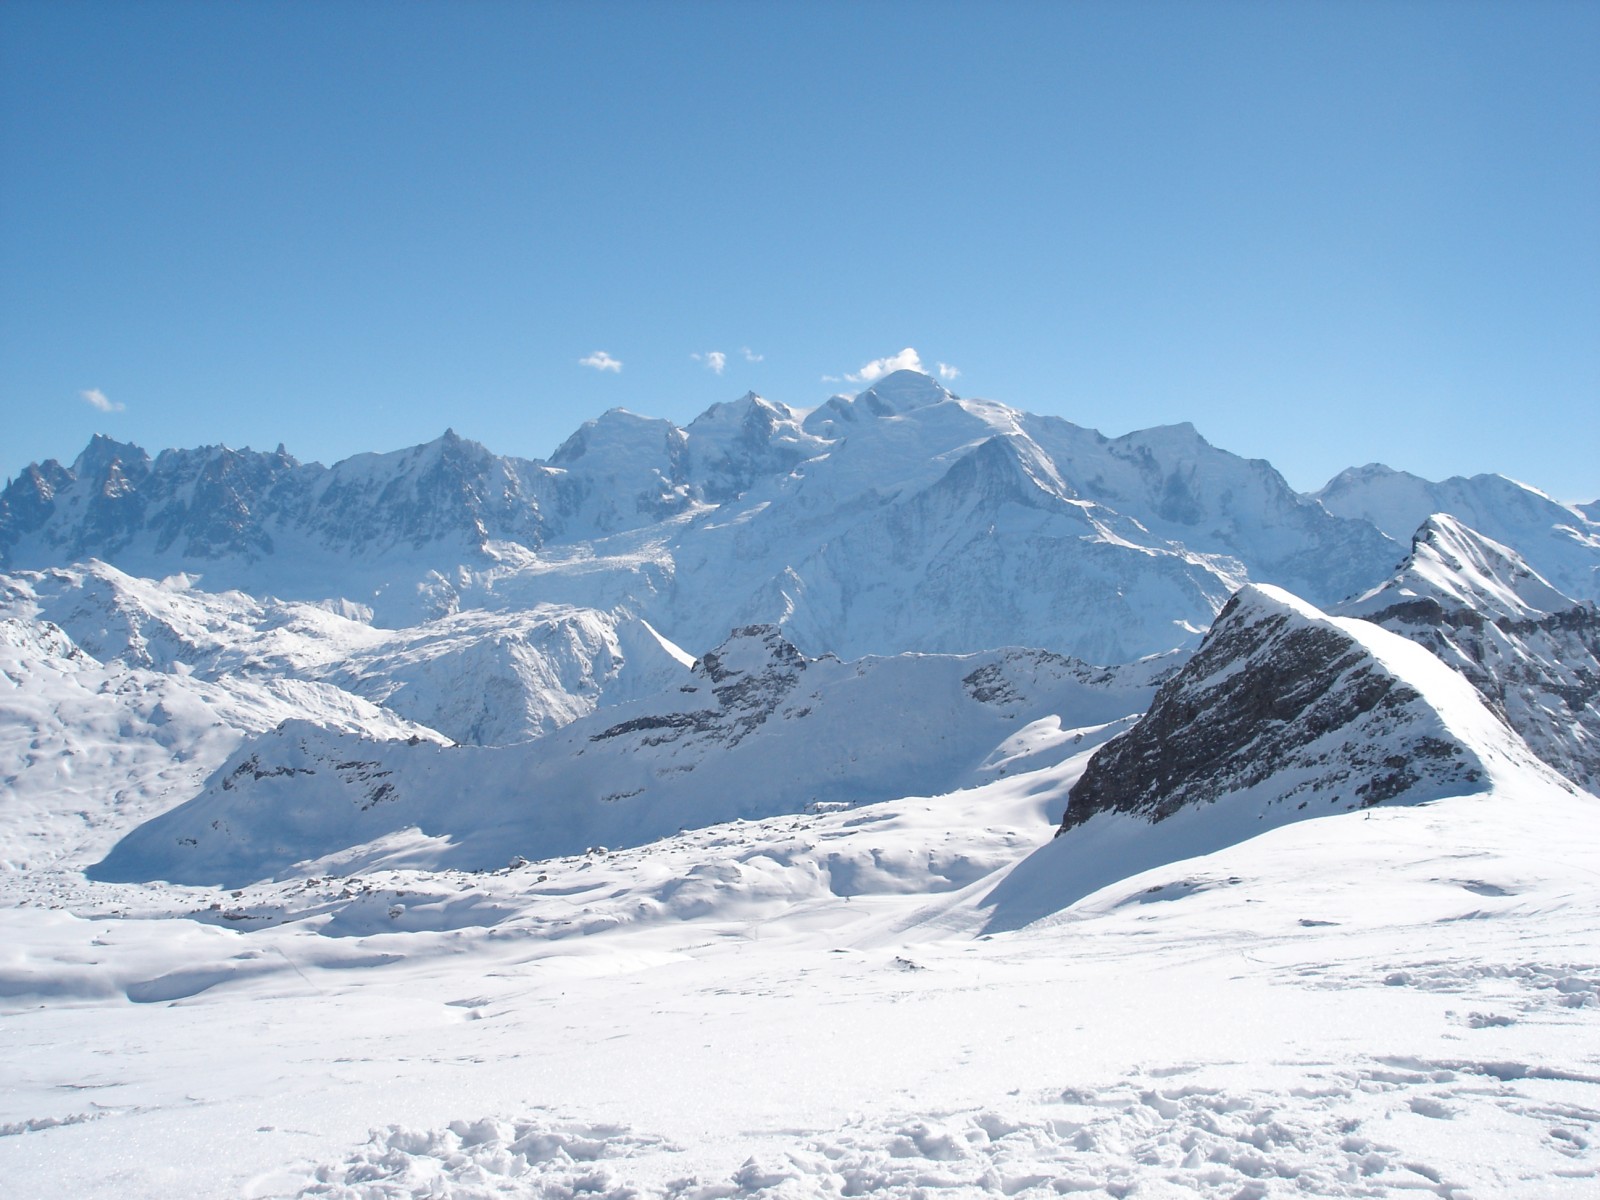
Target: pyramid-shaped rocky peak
103 454
1532 653
1453 567
1285 713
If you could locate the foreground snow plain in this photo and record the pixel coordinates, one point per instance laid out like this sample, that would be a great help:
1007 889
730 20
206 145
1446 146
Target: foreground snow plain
1397 1001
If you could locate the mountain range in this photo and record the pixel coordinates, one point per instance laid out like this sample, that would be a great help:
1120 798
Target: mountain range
906 796
770 608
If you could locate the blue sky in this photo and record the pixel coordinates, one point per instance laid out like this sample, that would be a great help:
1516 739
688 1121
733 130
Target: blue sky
1327 234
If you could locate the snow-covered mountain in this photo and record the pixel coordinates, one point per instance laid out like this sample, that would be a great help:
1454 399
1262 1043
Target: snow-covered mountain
904 518
1284 714
483 677
795 924
759 730
89 748
1561 543
1532 653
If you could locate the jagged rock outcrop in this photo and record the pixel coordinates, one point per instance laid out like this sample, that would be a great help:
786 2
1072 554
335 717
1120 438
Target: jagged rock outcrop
1285 711
1532 653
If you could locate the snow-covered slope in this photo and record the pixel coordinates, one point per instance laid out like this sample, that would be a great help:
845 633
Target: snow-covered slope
1282 715
904 518
88 749
1395 1001
1532 653
480 676
760 730
1560 543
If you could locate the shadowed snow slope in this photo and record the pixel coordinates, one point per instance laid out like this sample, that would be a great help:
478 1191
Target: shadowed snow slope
1532 653
88 748
1283 714
760 730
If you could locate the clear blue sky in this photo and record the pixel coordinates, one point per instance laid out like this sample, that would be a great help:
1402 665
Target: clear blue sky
1326 233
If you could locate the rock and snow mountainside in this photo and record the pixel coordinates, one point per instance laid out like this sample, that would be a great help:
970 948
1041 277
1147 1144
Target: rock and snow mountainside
1532 653
1560 543
1283 714
905 518
761 730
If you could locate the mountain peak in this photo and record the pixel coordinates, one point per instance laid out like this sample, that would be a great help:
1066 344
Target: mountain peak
103 452
901 391
1455 567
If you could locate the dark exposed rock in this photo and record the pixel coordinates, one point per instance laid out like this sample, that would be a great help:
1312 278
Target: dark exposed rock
1278 696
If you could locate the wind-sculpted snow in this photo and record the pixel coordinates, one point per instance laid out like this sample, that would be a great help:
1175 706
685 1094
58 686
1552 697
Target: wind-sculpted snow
1148 1135
1398 1001
759 730
1532 653
904 518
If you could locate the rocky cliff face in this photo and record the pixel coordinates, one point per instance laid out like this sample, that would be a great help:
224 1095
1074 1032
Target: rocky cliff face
1288 713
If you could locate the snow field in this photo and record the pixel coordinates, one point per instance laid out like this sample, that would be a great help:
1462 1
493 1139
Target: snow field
1297 1015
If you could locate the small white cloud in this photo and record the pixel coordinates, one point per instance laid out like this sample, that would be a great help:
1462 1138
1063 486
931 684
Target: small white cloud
601 361
750 355
946 371
906 360
713 359
831 379
98 400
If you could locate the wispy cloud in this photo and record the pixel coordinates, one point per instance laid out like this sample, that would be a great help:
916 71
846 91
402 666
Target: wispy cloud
946 371
906 360
750 355
715 360
601 361
98 400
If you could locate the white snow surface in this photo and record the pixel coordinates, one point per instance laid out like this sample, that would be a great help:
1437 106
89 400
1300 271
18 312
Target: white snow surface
1394 1002
774 926
758 732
